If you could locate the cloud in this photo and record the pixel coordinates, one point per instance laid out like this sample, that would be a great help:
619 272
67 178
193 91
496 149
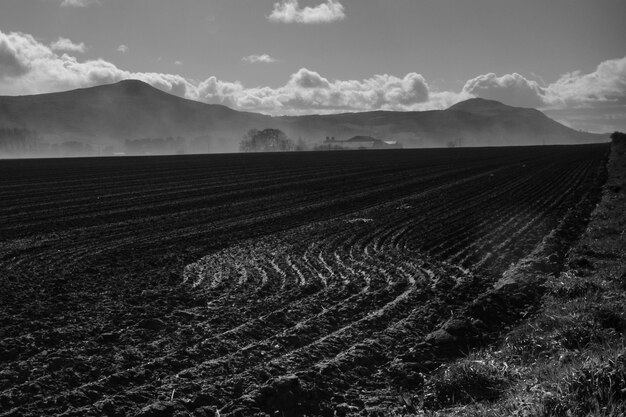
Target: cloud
35 68
307 91
512 89
289 11
66 45
305 80
28 66
179 63
595 101
10 63
607 84
79 3
263 58
122 48
582 100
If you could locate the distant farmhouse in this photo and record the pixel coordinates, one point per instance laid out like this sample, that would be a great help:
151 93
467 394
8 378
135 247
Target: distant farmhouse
360 142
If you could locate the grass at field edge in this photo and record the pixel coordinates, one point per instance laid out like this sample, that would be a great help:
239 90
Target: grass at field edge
568 359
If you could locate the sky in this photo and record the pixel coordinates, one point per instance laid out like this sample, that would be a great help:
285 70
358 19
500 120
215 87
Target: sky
565 57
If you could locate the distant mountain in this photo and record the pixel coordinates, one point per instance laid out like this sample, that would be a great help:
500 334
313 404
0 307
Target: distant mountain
109 116
474 122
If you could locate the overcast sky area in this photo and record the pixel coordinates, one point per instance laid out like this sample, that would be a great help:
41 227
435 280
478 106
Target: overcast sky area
565 57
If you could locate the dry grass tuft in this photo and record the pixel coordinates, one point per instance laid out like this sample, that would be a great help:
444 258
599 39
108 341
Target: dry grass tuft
569 359
596 388
468 381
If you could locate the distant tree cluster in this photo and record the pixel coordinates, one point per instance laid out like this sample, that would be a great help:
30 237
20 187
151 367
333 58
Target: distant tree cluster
18 140
28 142
618 137
268 140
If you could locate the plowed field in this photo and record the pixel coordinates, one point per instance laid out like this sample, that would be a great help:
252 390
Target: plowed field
289 283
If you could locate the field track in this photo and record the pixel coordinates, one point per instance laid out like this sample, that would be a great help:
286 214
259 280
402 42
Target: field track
256 283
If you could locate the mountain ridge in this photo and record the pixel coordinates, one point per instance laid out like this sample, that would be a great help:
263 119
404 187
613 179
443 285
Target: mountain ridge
112 114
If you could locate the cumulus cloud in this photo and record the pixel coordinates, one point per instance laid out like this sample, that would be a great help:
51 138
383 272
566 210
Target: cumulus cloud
78 3
512 89
307 91
607 84
598 98
34 67
594 101
66 45
289 11
27 66
122 48
215 91
305 79
10 63
262 58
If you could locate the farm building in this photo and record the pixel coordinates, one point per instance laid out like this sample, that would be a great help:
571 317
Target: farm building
361 142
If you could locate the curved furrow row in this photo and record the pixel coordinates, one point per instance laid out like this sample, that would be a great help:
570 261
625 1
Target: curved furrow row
328 280
333 337
294 362
338 315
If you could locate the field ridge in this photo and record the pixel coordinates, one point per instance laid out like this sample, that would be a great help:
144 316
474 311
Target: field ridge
194 284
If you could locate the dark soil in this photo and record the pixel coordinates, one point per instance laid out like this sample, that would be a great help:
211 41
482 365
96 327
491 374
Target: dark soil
253 284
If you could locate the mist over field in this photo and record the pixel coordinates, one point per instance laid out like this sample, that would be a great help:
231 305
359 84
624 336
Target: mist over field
307 272
133 118
312 208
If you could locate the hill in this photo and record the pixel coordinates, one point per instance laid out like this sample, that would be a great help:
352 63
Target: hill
109 117
109 114
474 122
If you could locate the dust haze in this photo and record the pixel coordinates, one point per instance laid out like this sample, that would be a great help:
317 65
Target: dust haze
133 118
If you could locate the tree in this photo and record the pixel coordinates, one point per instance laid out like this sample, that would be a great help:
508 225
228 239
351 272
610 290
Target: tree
268 140
618 137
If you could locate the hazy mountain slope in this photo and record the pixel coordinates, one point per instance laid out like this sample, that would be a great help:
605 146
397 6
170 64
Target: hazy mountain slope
131 109
474 122
125 110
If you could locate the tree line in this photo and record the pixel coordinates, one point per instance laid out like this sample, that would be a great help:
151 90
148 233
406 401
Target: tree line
270 140
618 137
